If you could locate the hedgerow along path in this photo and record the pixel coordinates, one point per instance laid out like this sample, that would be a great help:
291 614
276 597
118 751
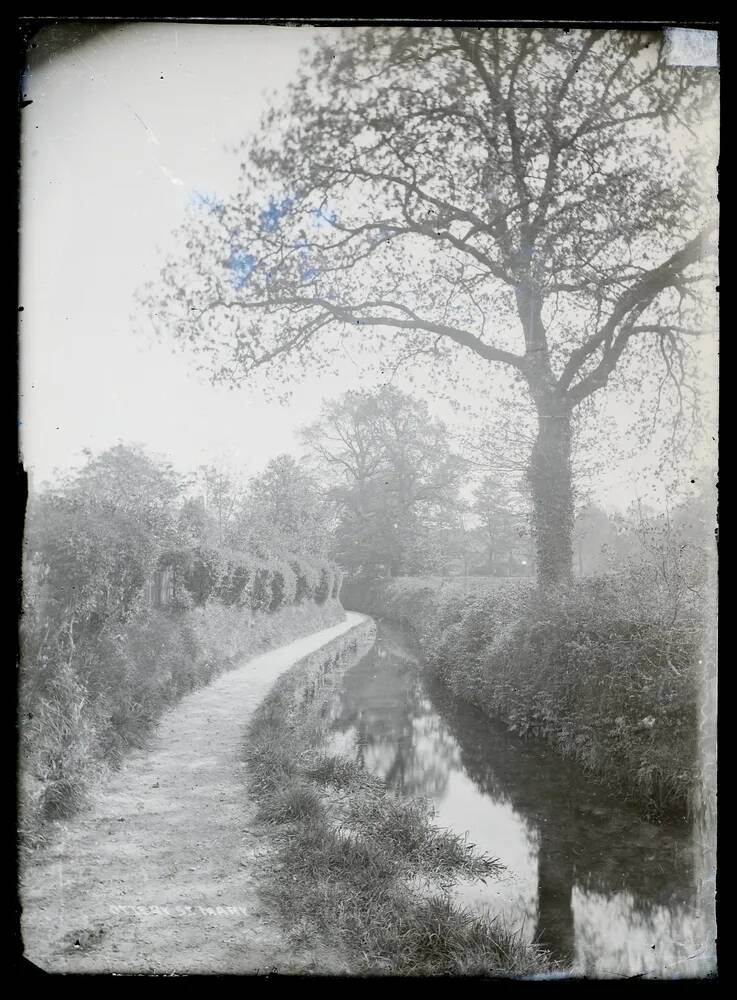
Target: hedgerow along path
160 873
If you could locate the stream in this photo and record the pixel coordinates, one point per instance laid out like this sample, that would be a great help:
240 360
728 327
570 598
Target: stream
607 892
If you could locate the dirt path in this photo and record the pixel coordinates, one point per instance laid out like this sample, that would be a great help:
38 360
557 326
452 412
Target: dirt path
160 874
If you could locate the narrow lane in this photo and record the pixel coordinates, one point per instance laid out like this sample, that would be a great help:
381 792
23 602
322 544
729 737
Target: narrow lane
160 874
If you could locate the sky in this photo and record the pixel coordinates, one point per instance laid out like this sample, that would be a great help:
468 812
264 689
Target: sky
123 132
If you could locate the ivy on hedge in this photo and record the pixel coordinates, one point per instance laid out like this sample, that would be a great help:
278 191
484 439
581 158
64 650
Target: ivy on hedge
238 578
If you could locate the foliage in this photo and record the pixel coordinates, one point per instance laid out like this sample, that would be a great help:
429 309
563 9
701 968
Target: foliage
60 747
542 198
261 595
95 539
502 529
100 659
221 498
393 478
283 513
202 574
306 579
235 577
324 587
602 669
178 562
283 585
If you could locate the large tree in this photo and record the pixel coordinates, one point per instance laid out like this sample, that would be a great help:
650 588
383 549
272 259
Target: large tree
539 199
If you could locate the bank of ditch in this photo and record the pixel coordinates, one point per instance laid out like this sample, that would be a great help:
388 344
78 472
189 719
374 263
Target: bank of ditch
355 867
602 670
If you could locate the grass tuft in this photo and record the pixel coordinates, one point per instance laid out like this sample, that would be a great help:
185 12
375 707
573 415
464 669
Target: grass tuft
333 769
294 802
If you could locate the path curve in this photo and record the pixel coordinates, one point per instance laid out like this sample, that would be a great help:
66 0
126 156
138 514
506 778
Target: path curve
160 874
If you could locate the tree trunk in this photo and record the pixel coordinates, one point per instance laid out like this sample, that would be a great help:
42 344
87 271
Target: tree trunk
551 486
555 922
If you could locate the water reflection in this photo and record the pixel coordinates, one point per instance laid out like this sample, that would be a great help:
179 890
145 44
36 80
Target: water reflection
393 726
606 891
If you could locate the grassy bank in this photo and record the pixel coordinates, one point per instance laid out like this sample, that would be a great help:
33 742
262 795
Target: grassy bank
81 713
361 869
603 670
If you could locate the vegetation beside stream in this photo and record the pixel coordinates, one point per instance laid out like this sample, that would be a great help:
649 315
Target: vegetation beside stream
135 594
603 669
366 871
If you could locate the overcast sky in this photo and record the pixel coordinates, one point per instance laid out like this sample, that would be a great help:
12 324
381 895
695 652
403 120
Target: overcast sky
122 133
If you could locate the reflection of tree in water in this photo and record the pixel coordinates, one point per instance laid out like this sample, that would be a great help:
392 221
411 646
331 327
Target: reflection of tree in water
411 730
671 939
588 837
399 735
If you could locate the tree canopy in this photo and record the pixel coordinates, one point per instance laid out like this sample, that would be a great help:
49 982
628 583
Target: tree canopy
393 478
282 512
541 198
96 537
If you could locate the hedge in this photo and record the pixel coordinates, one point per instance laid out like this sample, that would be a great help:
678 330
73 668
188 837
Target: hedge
237 578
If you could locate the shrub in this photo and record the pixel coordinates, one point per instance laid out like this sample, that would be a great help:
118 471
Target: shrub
179 561
233 588
324 582
61 748
283 586
203 574
306 579
287 803
261 593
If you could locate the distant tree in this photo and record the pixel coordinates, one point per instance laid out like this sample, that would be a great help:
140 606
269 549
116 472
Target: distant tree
126 480
284 512
95 538
394 480
221 498
672 551
594 535
542 200
503 526
456 548
192 523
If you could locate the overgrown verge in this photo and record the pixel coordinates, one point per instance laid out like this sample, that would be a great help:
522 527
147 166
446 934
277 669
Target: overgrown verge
367 872
84 703
137 590
604 670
